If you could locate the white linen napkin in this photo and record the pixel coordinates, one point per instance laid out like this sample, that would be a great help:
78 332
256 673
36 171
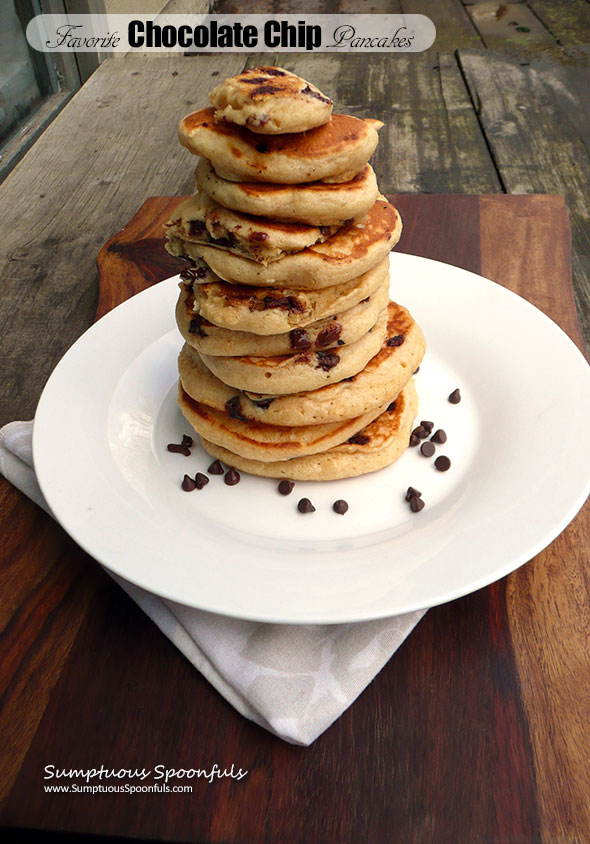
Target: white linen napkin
291 679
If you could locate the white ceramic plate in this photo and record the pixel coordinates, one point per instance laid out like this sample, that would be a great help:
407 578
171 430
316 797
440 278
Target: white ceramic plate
517 441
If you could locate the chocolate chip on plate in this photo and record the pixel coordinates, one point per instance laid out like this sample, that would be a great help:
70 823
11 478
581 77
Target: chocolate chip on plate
420 432
428 426
232 477
442 463
176 448
201 480
413 493
416 504
186 440
439 436
427 449
304 505
215 468
340 506
188 484
455 397
286 487
414 440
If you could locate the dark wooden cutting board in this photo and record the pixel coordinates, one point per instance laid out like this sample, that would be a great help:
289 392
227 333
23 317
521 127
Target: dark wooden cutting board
476 730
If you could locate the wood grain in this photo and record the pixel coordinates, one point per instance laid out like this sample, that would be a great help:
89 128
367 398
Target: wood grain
451 742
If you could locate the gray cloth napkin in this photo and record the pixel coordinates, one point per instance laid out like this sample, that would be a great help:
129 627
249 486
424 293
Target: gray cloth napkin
292 679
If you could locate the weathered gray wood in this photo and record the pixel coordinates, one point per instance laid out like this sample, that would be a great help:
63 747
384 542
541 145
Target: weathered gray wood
501 27
453 25
113 145
431 141
537 129
568 22
301 7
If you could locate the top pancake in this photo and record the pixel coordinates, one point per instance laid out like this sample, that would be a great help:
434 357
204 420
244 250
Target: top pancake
338 148
270 101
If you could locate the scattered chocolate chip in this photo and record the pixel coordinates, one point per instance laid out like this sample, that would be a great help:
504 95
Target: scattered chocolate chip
263 404
329 335
259 80
427 449
340 342
286 487
187 441
340 506
299 339
215 468
442 463
288 303
414 440
428 426
359 439
324 230
349 222
232 477
188 484
175 448
416 504
233 409
196 327
455 397
327 360
311 93
391 407
420 432
257 237
265 89
397 340
439 436
201 480
263 147
304 505
416 371
413 493
272 71
195 227
193 273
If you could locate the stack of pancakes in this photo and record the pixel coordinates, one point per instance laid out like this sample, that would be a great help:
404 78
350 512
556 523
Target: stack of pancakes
295 364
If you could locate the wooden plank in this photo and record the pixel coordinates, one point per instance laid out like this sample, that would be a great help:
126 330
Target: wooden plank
512 28
539 143
568 22
111 146
454 28
431 141
548 600
302 7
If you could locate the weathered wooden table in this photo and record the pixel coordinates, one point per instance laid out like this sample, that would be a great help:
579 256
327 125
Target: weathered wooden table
477 729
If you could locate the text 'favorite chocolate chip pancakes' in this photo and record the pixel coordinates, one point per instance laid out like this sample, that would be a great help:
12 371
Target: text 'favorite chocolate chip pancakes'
296 364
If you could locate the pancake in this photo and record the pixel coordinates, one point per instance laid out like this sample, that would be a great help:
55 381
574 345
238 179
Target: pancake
270 101
262 311
376 446
297 372
258 441
378 383
315 203
347 254
337 330
201 219
343 144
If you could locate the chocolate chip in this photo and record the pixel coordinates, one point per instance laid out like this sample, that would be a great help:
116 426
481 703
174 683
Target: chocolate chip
442 463
420 432
286 487
329 335
195 227
265 89
455 397
233 409
257 237
427 449
232 477
428 426
192 274
263 147
201 480
299 339
439 436
340 342
414 440
391 407
175 448
359 439
416 504
287 303
263 404
397 340
304 505
188 484
311 93
327 360
324 230
187 441
215 468
416 371
340 506
196 327
273 71
413 493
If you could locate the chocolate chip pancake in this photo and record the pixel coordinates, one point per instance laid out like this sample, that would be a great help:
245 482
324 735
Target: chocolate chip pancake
347 254
314 203
270 101
297 372
376 446
385 375
263 310
201 219
258 441
342 145
337 330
